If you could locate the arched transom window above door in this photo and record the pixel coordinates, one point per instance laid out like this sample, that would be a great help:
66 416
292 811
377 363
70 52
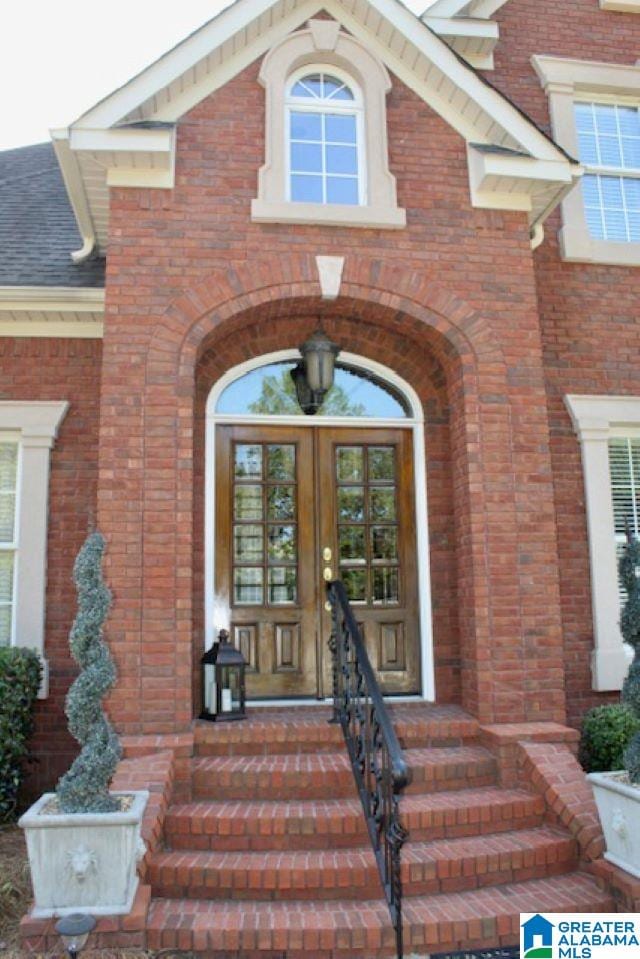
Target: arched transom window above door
269 391
326 158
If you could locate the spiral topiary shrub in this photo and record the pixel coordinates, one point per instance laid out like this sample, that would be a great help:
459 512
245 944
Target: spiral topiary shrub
20 671
85 787
606 732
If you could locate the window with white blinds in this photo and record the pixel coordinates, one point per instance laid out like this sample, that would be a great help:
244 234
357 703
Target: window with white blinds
624 467
9 451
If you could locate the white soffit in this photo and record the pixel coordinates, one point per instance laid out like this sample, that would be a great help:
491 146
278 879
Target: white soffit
128 139
483 9
466 26
51 311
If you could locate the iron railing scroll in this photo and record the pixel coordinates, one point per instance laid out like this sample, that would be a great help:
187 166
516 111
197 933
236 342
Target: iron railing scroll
379 768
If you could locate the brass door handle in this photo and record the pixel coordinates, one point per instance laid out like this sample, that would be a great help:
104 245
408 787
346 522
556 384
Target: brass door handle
327 554
328 574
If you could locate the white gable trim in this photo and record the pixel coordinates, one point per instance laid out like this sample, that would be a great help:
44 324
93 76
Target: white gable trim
174 63
186 55
514 124
117 143
482 9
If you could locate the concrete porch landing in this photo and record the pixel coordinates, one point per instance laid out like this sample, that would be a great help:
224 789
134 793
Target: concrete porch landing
257 845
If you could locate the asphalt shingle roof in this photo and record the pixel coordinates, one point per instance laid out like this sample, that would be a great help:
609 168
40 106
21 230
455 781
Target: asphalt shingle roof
37 227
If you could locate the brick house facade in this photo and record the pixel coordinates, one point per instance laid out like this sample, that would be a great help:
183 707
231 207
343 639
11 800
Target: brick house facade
491 322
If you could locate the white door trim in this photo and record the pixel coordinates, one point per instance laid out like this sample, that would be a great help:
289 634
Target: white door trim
217 617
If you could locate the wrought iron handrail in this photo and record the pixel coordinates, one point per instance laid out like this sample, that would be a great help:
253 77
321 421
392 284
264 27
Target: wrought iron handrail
379 768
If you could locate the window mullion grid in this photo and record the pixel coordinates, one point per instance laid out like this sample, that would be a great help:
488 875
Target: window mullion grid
625 210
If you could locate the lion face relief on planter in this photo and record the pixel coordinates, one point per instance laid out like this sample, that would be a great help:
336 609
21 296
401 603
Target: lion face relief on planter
83 841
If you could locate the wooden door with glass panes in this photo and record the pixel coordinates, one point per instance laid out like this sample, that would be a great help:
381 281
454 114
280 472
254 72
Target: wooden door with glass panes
367 521
283 496
265 555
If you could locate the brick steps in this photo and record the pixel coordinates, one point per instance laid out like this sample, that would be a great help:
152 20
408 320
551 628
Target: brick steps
269 732
340 929
236 825
329 775
440 866
271 857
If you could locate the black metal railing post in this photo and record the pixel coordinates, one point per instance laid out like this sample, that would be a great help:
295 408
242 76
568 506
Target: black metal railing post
378 764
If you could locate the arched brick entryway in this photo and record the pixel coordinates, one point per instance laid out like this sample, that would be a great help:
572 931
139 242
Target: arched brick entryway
510 648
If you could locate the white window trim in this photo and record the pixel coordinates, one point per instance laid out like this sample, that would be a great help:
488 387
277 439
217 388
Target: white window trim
35 424
353 107
621 6
327 47
567 82
217 616
596 419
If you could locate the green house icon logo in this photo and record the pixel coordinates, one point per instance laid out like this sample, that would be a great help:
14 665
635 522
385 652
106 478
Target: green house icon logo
537 934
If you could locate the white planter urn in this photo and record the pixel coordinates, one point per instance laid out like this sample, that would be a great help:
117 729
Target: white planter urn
618 804
84 862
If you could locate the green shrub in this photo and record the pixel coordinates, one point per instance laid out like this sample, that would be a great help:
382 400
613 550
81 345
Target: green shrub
19 681
606 733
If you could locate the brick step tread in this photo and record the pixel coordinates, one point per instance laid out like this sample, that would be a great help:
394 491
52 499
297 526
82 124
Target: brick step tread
361 928
315 775
428 867
269 731
306 824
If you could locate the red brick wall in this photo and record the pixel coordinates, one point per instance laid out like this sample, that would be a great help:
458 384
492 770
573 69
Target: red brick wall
47 369
588 314
186 261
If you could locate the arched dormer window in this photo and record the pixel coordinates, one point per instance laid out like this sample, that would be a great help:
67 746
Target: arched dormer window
326 156
324 125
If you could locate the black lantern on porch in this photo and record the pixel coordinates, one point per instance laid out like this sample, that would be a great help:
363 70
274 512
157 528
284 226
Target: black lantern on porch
313 377
223 685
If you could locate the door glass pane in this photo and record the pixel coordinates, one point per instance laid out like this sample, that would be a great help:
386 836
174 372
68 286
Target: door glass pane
355 584
282 543
247 502
248 586
248 461
370 504
351 503
248 544
281 502
384 542
281 462
351 544
381 464
385 585
282 584
257 545
382 505
350 464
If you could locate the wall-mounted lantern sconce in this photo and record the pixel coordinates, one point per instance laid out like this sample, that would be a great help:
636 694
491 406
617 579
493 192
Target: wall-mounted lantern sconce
313 377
